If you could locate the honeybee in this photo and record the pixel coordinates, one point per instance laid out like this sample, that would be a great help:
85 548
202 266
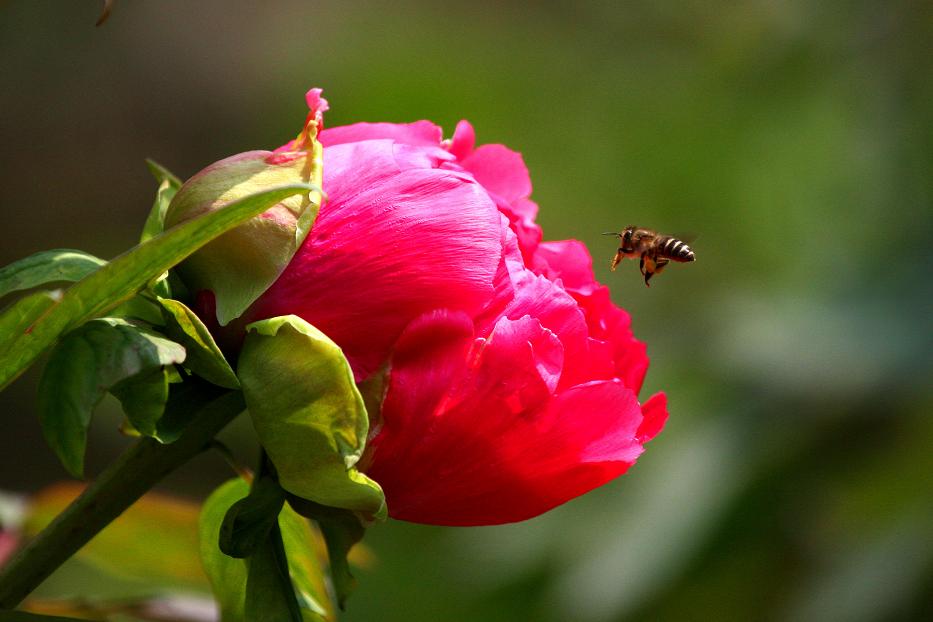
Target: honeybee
655 250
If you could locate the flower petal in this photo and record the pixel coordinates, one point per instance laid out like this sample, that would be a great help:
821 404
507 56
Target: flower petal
419 133
500 170
463 141
655 416
360 266
569 261
476 460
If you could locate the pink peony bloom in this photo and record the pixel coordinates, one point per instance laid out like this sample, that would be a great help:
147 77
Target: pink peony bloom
512 378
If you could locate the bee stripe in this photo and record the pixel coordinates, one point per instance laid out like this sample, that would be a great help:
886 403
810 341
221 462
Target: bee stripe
677 246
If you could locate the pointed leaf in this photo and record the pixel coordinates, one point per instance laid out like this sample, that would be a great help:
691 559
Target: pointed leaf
162 174
237 583
47 267
204 357
88 362
124 276
308 413
249 521
342 529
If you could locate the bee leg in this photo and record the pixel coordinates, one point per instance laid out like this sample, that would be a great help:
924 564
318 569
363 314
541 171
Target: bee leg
647 267
659 265
615 260
641 263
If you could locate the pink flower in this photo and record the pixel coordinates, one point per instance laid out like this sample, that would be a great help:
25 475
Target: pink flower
512 378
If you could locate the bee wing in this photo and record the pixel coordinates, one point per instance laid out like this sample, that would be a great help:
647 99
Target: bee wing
687 238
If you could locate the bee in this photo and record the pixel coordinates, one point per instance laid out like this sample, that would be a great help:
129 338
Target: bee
655 250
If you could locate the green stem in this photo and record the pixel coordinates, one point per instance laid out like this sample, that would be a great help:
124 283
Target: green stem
135 472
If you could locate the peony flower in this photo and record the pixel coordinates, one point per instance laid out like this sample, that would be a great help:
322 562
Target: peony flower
511 379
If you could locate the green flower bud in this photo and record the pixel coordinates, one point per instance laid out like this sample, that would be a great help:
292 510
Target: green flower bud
241 264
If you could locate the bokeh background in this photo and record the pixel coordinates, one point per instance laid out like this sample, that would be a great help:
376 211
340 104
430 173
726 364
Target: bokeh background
794 480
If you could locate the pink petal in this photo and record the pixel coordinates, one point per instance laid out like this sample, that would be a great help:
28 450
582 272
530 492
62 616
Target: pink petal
569 261
521 215
500 170
463 141
419 133
654 412
521 363
361 277
316 104
478 461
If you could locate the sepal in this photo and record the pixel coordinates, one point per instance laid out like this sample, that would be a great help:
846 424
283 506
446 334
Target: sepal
308 413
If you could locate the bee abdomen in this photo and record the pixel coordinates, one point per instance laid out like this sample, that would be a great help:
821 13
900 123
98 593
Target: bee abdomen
675 249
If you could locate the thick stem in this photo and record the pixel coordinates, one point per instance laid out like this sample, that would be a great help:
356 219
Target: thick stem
135 472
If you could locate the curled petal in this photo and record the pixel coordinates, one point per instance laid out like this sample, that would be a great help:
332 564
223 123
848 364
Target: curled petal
655 416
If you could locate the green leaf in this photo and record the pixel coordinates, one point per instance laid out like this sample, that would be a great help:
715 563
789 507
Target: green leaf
139 307
47 267
341 530
143 398
184 398
270 594
23 313
204 357
249 521
85 364
251 590
308 413
124 276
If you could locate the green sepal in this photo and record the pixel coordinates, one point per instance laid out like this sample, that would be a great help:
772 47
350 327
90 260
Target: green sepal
272 582
341 530
120 279
204 356
47 267
168 186
162 174
87 363
308 414
248 522
240 265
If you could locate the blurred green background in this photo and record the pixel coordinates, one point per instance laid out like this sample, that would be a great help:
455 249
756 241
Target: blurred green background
794 480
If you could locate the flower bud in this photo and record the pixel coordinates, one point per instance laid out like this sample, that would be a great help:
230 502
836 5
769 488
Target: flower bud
241 264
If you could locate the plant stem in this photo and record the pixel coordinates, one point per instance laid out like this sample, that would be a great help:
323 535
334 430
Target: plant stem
136 471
